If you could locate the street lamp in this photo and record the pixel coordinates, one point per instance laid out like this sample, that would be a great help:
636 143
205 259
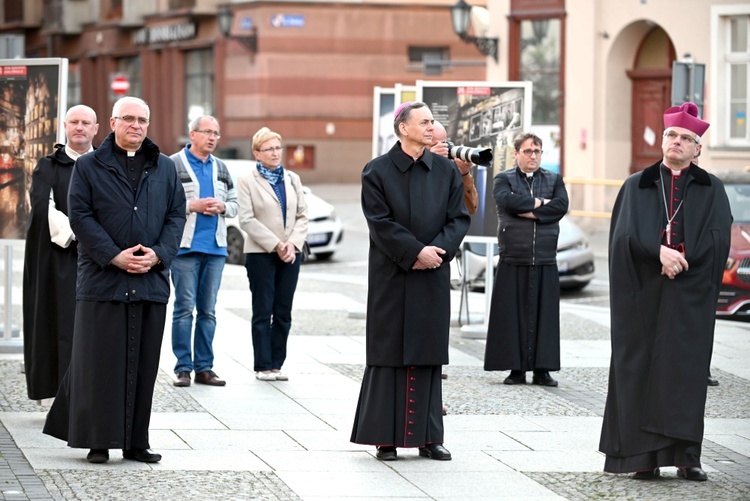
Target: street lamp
225 18
460 15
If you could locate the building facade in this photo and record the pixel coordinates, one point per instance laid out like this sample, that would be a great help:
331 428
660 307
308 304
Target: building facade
304 69
602 73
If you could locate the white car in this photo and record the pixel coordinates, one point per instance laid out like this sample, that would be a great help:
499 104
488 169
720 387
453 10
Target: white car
575 261
324 231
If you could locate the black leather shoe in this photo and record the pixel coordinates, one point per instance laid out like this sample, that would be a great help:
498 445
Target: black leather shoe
712 381
98 456
435 451
183 379
387 453
210 378
516 377
693 473
646 475
142 455
543 379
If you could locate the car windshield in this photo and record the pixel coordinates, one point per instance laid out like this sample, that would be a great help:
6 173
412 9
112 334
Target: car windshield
739 200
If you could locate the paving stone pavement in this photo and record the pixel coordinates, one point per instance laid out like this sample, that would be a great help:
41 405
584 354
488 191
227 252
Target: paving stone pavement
288 441
467 391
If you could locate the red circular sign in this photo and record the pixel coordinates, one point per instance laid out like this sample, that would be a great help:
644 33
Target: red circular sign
120 85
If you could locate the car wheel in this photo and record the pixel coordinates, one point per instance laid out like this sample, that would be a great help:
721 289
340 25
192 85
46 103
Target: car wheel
323 256
235 244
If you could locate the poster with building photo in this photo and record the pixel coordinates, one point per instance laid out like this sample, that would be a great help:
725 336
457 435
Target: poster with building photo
481 115
32 104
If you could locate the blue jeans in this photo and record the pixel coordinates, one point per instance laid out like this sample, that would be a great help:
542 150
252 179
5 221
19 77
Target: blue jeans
272 284
196 277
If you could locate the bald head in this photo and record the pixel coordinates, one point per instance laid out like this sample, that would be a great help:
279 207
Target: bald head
81 109
438 135
80 128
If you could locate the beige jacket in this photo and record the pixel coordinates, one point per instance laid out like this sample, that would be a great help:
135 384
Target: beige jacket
260 215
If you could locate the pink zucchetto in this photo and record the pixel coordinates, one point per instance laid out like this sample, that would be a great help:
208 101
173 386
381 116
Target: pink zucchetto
685 116
400 108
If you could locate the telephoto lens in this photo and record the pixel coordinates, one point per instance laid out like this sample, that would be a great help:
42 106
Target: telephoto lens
479 156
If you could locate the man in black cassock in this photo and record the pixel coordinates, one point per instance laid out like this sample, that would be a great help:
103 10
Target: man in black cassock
668 245
413 202
49 269
523 333
127 209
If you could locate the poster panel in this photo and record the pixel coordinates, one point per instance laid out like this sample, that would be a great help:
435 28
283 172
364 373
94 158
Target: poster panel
405 93
33 99
383 135
481 115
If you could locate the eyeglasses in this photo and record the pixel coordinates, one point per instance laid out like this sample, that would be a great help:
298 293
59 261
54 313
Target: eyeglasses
273 148
209 132
684 138
530 153
131 119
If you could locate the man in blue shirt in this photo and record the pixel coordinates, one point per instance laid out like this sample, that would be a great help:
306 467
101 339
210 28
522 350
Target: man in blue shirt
197 269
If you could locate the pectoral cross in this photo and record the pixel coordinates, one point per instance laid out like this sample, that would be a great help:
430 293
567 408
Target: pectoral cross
669 233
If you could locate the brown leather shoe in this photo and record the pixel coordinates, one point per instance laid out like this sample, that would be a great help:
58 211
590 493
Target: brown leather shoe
183 379
210 378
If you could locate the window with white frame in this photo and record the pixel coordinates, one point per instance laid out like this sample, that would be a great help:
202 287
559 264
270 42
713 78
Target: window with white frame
199 83
731 92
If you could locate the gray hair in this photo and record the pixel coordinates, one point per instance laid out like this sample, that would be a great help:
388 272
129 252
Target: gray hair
129 99
403 115
196 122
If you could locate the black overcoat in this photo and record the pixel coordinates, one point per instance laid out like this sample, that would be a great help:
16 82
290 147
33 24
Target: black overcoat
104 400
662 329
409 205
49 281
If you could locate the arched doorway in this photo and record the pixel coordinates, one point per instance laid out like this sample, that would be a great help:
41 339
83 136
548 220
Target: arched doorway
651 79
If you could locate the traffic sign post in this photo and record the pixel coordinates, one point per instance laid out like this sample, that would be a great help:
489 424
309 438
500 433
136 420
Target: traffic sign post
120 85
688 83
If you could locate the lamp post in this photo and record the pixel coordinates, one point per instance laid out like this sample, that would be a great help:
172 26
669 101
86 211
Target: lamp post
225 18
460 15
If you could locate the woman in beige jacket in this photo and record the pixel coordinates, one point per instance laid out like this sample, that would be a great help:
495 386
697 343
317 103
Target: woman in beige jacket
273 213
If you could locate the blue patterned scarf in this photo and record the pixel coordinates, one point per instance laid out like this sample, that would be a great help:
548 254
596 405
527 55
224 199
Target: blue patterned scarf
272 176
276 179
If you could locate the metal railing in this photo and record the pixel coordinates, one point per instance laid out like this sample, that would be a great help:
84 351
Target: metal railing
10 337
613 183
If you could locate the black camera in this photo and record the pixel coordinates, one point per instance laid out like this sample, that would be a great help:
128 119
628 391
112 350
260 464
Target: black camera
479 156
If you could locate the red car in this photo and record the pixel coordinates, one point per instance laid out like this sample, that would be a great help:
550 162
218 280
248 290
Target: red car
734 297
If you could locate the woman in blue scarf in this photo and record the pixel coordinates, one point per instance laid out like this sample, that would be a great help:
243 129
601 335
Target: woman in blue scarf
273 213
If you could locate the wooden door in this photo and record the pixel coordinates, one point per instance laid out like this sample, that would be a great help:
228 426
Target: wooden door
651 96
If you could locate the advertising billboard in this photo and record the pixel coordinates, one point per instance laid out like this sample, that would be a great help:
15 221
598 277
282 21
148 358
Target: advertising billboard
33 97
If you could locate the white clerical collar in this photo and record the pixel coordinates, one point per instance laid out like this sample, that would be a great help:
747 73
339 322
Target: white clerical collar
73 154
